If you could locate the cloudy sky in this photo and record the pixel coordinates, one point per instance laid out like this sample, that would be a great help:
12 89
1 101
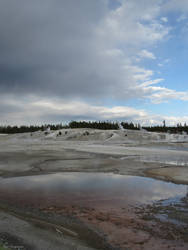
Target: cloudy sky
93 60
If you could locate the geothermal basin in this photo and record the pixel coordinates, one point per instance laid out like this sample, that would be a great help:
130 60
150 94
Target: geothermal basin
94 190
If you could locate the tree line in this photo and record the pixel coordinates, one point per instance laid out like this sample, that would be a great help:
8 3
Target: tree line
95 125
179 128
32 128
131 125
105 125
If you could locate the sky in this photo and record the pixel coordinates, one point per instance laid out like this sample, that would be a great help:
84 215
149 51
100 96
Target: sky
119 60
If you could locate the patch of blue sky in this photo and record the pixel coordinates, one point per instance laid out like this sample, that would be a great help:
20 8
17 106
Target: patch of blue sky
170 108
171 58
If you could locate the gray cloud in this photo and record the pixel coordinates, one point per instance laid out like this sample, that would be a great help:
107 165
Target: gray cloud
47 46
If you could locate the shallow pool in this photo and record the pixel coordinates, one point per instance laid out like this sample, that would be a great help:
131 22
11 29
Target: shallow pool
87 189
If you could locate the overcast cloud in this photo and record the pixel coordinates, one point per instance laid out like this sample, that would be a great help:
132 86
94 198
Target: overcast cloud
59 59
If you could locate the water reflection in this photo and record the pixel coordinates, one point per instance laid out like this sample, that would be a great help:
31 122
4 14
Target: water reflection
88 188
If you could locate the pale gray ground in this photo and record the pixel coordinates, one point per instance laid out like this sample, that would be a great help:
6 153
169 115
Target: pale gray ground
87 150
35 237
123 152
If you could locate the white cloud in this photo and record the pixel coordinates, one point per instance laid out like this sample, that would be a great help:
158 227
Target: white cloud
134 23
151 82
82 109
170 120
162 94
34 111
147 54
164 19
